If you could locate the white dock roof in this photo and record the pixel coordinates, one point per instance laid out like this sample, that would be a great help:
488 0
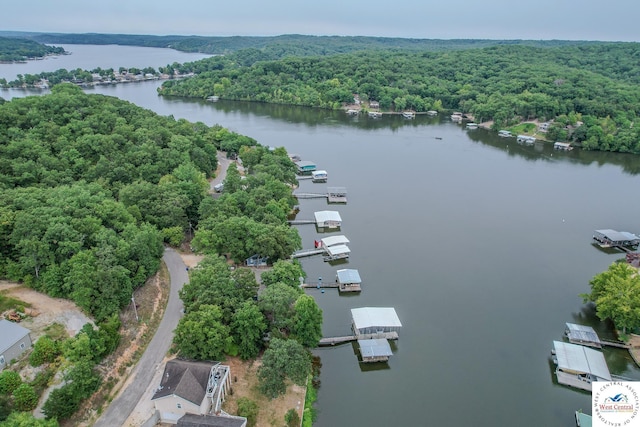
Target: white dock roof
338 250
334 240
378 347
347 275
581 359
368 317
617 236
324 216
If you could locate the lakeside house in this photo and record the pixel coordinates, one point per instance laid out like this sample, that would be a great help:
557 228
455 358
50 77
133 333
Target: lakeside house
190 387
14 340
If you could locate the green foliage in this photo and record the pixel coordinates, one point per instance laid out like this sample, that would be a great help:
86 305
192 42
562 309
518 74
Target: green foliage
81 382
507 83
7 303
307 323
19 49
616 293
9 381
45 350
248 327
24 398
292 418
284 359
173 236
25 419
276 302
200 334
249 409
287 272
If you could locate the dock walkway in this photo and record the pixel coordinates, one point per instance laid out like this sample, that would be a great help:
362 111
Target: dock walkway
324 342
307 252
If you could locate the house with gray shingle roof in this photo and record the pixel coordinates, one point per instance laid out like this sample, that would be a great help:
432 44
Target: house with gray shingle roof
14 340
190 387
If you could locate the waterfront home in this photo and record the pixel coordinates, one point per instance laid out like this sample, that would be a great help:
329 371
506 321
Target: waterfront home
565 146
319 176
348 280
190 387
305 166
505 133
374 321
581 334
328 219
578 366
374 350
14 340
374 104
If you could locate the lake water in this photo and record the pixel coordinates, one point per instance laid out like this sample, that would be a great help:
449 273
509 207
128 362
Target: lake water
481 245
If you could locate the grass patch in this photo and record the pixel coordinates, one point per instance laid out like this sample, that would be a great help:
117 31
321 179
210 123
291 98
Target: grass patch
9 303
56 331
524 129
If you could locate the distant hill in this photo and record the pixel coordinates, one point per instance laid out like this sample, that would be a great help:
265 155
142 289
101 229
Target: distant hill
284 45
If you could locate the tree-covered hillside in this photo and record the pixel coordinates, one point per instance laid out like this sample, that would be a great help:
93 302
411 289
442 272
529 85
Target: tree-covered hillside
19 49
594 84
286 45
89 187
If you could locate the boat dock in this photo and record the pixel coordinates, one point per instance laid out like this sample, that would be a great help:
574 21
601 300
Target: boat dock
320 285
622 240
333 195
301 221
307 252
329 341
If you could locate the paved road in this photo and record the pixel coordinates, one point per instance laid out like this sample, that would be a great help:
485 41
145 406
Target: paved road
142 375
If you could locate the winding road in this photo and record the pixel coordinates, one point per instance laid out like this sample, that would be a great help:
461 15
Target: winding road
142 375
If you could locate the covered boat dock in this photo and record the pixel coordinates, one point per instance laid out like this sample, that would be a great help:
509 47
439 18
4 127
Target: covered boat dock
348 280
305 166
608 238
375 350
584 335
579 366
375 321
328 219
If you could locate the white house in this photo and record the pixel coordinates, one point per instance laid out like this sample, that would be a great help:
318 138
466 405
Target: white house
189 387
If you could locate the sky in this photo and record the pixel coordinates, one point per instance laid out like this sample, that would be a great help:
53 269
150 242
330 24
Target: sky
613 20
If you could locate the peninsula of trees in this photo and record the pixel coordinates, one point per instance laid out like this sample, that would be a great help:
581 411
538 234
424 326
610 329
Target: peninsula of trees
19 49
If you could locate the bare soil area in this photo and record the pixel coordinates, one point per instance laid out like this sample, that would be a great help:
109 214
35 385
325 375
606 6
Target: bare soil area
46 310
244 383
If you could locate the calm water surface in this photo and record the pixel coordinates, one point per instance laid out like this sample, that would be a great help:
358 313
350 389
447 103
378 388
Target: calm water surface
480 244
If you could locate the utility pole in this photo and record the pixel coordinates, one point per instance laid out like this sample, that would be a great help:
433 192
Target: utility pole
135 310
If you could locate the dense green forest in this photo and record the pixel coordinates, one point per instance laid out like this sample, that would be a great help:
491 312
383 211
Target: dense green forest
595 85
276 47
19 49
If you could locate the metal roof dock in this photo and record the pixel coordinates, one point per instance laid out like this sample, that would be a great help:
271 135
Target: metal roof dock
375 320
348 280
328 219
623 240
581 334
375 350
305 166
579 366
